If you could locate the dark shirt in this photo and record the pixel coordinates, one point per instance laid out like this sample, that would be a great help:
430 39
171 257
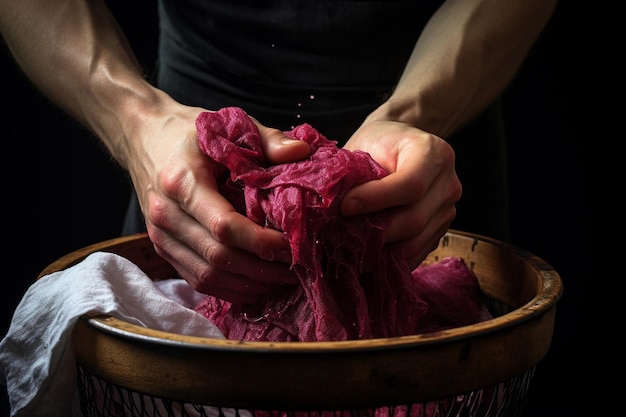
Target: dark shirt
327 63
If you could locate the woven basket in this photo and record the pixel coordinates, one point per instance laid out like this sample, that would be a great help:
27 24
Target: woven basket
482 369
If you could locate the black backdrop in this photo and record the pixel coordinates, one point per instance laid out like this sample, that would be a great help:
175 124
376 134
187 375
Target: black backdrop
65 192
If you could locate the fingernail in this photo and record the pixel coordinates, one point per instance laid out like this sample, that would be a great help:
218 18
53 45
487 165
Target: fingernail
288 141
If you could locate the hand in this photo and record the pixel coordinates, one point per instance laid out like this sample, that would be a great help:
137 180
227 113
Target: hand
421 189
192 226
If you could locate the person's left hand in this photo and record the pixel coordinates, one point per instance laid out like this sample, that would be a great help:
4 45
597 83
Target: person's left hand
421 189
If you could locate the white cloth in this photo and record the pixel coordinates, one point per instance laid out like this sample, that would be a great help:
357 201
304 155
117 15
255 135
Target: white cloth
37 362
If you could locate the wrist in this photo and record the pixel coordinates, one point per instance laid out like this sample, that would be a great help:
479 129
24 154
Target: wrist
410 111
122 111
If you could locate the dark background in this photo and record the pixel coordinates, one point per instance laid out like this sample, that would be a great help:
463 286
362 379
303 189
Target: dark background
65 192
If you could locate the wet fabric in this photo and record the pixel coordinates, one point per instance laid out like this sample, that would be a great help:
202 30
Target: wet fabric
352 285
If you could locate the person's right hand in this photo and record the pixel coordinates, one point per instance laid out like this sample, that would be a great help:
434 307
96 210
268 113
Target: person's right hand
213 247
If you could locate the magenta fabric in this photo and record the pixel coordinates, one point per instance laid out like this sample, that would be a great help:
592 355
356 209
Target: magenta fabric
352 285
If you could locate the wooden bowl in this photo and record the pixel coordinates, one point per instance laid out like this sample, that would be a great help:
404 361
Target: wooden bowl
523 289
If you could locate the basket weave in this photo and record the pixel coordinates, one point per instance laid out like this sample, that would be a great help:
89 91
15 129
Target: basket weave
481 370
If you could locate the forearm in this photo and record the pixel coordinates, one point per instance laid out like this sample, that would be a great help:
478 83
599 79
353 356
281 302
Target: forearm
75 53
467 55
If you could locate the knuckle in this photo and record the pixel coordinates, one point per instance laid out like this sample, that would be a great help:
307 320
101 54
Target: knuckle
178 184
455 191
157 210
220 226
217 258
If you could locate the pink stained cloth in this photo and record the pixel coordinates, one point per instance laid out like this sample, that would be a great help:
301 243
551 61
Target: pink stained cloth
336 299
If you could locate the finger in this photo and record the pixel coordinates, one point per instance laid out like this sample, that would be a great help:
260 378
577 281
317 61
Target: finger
230 273
207 212
412 220
423 245
279 149
220 284
396 189
236 245
220 235
418 245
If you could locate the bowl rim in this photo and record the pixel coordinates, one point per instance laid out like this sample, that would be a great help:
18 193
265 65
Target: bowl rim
546 298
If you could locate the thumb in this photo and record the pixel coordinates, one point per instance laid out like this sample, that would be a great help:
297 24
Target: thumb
278 148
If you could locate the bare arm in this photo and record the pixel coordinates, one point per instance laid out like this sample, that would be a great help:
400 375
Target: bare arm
467 55
76 54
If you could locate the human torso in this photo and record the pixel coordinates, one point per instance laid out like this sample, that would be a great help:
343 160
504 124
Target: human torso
288 62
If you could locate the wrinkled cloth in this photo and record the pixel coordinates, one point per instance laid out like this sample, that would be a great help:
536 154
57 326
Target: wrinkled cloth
36 359
352 285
